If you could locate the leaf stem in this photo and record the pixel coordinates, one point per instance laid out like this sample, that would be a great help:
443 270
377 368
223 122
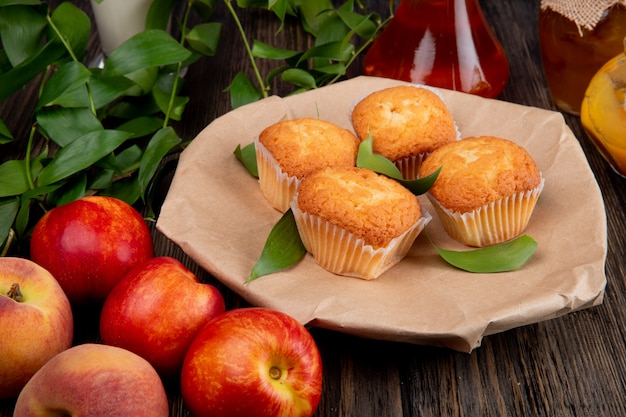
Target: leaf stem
68 47
29 148
8 242
31 135
179 66
264 88
360 50
70 51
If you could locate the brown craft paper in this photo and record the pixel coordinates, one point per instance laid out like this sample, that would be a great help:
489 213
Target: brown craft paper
216 213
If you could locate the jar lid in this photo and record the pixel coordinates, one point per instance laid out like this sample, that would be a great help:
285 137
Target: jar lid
584 13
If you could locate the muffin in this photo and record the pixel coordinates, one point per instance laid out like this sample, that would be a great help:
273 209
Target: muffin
406 123
486 191
355 222
289 150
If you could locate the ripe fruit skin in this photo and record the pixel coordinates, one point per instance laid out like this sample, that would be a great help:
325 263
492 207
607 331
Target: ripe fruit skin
253 362
94 380
89 244
156 310
34 329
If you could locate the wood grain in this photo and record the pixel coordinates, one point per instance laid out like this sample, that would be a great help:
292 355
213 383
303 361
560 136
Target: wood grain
569 366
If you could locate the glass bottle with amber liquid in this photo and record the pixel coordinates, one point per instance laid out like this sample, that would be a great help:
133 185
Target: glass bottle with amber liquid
441 43
575 44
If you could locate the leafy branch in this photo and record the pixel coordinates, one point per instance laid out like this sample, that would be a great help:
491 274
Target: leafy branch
105 130
340 35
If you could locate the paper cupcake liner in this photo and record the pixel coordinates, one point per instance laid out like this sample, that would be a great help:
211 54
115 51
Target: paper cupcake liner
409 167
277 187
493 223
343 253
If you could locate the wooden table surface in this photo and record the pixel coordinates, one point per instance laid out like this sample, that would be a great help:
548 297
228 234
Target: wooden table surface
574 365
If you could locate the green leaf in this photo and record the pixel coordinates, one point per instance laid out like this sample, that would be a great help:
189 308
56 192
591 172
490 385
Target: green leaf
5 134
160 144
204 8
67 78
269 78
5 65
128 160
102 179
125 189
162 100
283 248
281 9
105 90
366 158
421 185
337 51
23 214
150 48
74 25
83 152
21 30
502 257
8 212
333 69
204 38
63 125
360 24
13 180
312 14
247 156
251 3
13 80
122 164
299 77
75 97
263 50
141 126
134 107
333 29
70 191
242 91
159 14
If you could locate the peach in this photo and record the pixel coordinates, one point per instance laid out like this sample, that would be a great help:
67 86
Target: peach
94 380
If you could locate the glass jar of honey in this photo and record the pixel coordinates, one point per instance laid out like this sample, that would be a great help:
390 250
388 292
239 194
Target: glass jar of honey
603 111
441 43
576 38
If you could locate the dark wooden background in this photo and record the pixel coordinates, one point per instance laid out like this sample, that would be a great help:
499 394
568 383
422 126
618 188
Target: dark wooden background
571 366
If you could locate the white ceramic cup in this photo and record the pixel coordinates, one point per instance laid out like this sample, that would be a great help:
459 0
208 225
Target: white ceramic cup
119 20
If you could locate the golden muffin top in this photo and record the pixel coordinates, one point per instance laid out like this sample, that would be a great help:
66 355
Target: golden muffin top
404 121
304 145
371 206
479 170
